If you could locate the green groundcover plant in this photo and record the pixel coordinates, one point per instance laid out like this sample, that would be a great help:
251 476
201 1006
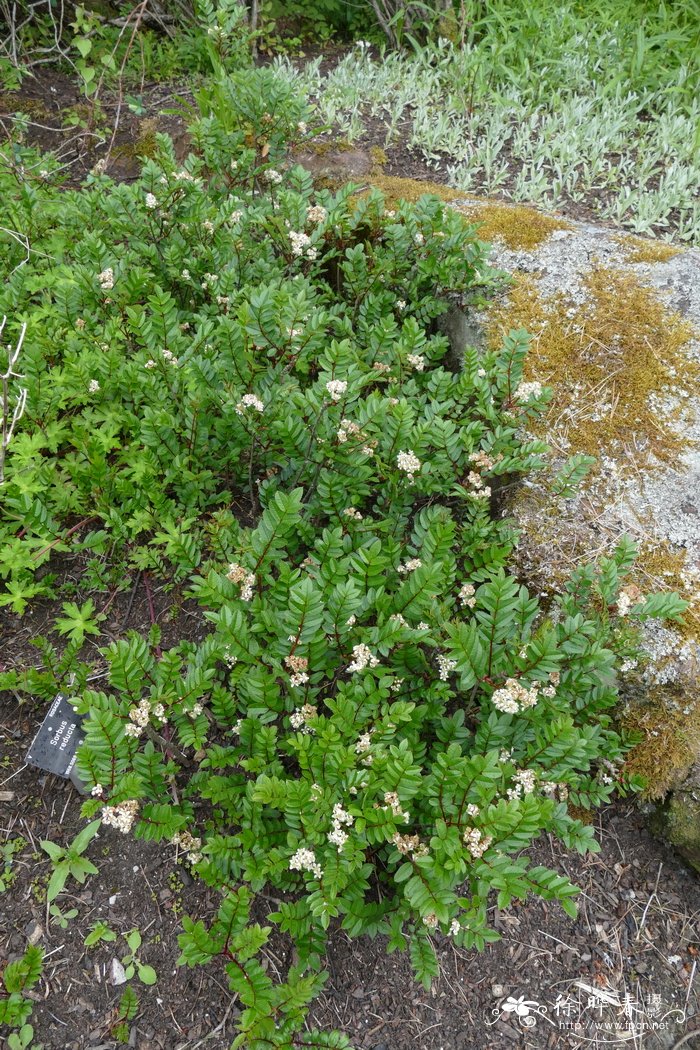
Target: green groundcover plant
239 383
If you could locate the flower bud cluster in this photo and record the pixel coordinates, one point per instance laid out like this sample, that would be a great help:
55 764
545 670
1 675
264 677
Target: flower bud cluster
524 783
239 574
466 595
341 818
410 566
336 388
392 803
477 483
140 717
362 657
514 697
445 667
417 361
121 816
476 842
189 844
526 391
316 213
249 401
305 860
409 845
301 718
409 463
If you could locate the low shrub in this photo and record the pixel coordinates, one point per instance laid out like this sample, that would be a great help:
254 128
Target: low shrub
235 381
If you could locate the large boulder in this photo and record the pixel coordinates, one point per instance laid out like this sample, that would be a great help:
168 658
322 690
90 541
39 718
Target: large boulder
615 325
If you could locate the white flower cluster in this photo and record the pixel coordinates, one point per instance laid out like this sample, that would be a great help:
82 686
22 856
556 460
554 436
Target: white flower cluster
106 279
445 667
455 927
347 429
409 844
305 860
526 391
273 177
93 386
392 803
409 463
195 710
514 697
301 244
151 201
352 512
524 782
239 574
483 460
466 595
341 818
400 304
208 226
363 744
431 921
316 213
121 816
476 842
362 657
410 566
336 388
97 791
140 717
477 483
416 361
298 665
169 356
189 844
302 716
249 401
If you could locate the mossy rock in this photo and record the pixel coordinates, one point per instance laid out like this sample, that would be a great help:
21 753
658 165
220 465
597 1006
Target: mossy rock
678 820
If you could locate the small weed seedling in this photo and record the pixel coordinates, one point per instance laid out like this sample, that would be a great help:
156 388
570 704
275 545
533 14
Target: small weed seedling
132 963
61 918
23 1039
69 860
99 931
7 852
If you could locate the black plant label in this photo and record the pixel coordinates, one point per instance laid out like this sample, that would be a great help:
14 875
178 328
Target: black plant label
55 746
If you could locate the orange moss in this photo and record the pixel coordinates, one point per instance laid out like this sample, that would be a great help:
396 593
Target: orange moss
644 250
605 358
521 228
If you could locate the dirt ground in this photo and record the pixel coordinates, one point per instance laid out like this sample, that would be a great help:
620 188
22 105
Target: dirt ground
624 973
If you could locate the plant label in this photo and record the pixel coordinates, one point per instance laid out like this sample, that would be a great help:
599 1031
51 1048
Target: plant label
56 743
